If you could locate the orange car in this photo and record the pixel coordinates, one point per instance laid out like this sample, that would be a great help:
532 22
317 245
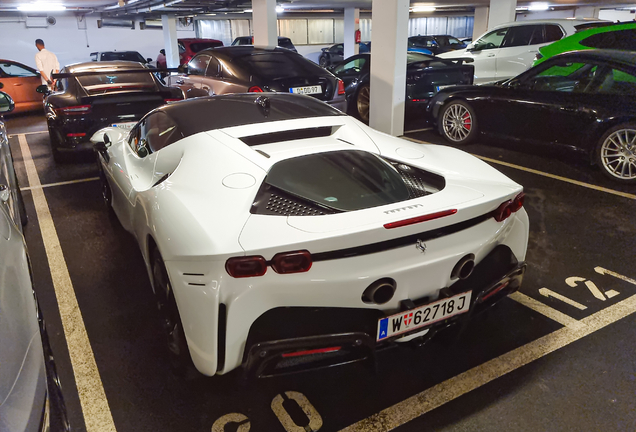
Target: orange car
20 82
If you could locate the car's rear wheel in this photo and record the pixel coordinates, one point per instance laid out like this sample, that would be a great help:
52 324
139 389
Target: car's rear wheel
58 156
322 61
362 102
177 347
457 122
616 153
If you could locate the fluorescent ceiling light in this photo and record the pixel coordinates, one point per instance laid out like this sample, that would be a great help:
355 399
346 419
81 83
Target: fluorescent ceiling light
522 8
539 6
423 9
279 9
41 7
248 10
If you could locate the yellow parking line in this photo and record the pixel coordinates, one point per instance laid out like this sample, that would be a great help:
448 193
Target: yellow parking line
90 389
60 183
545 174
451 389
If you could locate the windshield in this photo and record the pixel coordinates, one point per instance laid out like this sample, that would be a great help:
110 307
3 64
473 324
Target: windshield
128 56
112 81
271 65
342 180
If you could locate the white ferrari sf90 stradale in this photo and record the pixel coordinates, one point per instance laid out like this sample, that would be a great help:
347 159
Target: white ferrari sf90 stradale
282 235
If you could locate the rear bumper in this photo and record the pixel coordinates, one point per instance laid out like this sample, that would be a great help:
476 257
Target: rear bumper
334 336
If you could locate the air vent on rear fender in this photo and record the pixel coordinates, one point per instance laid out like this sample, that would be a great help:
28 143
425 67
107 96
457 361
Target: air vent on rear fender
290 135
419 182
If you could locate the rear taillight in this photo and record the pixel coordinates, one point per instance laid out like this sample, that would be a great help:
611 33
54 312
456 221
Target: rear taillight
171 100
255 89
76 135
509 207
73 110
292 262
283 263
313 351
249 266
341 89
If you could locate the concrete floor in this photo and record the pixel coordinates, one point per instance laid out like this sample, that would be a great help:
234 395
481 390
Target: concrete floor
513 369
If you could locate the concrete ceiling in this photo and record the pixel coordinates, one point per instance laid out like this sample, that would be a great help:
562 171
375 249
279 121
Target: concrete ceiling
192 7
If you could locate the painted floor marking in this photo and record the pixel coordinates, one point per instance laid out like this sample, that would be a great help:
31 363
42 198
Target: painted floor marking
601 270
90 389
545 174
29 133
418 130
60 183
451 389
549 293
546 310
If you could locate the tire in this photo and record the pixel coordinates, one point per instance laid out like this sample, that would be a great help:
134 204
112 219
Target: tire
615 153
362 102
24 218
58 156
175 340
457 122
322 61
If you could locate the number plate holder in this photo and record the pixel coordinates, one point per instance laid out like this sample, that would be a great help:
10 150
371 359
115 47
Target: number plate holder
404 322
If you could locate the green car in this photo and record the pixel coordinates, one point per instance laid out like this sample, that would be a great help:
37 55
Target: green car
615 36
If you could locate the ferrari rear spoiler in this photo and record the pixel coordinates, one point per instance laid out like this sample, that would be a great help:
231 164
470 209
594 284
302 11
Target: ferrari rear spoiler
113 70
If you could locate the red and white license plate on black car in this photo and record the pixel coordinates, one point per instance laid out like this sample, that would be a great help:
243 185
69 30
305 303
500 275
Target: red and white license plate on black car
423 316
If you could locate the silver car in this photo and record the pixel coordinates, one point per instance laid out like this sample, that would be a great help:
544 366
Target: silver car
243 69
30 395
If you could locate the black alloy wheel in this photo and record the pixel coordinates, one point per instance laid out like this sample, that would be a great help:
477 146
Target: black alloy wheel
177 347
107 195
322 61
457 122
362 102
616 153
58 156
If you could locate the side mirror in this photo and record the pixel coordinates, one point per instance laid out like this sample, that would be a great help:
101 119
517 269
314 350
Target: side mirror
42 89
148 60
6 103
1 85
471 47
5 193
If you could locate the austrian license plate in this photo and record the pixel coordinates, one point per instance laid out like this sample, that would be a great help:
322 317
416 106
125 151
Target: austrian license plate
124 125
423 316
316 89
442 87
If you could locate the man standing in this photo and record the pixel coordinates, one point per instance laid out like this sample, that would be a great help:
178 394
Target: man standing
46 63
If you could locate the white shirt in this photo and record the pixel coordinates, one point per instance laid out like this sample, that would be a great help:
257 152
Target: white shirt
46 62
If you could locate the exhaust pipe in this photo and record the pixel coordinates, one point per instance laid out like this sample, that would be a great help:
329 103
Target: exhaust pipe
379 292
464 267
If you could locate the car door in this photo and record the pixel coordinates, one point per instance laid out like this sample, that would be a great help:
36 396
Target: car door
484 53
521 45
351 70
191 82
20 83
558 102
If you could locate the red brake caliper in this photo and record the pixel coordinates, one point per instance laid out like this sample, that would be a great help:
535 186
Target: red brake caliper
467 121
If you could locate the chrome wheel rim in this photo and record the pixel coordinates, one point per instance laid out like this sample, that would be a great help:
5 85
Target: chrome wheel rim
457 122
363 103
169 319
618 154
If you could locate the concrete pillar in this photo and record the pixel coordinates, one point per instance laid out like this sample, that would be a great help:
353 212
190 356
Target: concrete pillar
169 23
501 11
388 66
351 24
481 22
586 12
264 20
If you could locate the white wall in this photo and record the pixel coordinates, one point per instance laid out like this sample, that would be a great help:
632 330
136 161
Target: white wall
616 15
72 45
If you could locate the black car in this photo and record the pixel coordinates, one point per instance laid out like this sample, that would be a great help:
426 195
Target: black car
94 95
283 42
335 53
584 100
425 76
437 44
